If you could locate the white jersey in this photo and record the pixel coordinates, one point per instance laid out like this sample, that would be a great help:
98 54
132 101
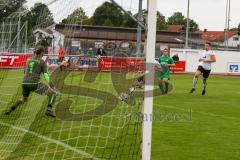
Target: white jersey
207 55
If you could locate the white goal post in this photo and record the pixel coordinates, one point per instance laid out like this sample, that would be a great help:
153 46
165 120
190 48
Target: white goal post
149 80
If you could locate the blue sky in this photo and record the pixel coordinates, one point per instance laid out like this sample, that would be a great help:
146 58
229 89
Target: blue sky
208 14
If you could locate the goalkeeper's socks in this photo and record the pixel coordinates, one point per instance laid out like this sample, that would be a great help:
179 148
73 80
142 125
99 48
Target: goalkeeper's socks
13 107
51 100
166 87
161 88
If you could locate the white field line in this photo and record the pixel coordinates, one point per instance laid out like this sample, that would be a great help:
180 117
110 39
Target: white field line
49 140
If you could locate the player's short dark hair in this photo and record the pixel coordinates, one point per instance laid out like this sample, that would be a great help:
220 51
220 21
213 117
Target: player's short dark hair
39 49
209 43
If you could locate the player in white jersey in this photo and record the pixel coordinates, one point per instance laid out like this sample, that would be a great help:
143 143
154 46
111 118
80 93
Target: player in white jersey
204 67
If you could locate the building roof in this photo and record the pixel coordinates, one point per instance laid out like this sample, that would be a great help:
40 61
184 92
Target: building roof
216 36
118 33
46 32
176 28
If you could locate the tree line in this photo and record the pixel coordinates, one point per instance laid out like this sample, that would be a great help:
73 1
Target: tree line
109 15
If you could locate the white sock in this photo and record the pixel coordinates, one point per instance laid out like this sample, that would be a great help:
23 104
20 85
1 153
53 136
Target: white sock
195 80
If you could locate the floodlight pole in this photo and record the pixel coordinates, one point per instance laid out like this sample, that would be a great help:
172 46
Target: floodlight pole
149 81
139 29
18 33
187 28
10 32
3 31
228 7
26 35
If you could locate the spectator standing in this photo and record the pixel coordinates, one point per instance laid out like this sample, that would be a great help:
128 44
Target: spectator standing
101 52
61 54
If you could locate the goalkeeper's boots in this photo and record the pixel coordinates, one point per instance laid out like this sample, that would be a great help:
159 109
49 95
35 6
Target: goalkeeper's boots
50 113
203 92
192 90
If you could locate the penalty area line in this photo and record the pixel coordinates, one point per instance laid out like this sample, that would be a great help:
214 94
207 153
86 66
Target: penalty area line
64 145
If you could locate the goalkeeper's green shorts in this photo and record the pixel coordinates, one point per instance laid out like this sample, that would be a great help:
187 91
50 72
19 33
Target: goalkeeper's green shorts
38 88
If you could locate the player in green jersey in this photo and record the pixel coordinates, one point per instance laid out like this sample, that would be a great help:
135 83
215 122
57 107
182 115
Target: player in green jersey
31 82
164 77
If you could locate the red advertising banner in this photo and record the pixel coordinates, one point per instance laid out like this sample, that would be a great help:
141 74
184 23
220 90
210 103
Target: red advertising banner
13 60
105 63
179 68
121 63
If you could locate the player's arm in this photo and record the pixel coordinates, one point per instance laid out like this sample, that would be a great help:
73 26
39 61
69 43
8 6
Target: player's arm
171 63
212 59
157 66
47 75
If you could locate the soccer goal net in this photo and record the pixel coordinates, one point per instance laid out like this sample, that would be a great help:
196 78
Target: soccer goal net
101 106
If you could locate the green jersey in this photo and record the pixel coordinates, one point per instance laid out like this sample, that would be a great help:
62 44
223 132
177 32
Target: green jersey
34 68
163 61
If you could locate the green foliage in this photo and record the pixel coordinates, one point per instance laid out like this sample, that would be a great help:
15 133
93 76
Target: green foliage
11 6
176 19
161 22
128 21
193 26
77 17
237 29
179 19
233 29
107 15
39 16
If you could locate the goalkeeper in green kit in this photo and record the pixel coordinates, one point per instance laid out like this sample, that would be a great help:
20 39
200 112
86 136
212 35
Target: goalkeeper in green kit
31 82
164 77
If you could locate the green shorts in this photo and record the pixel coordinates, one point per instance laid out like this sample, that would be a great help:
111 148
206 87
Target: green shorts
38 88
161 76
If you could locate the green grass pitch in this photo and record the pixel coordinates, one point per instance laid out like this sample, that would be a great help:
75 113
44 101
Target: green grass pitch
185 127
